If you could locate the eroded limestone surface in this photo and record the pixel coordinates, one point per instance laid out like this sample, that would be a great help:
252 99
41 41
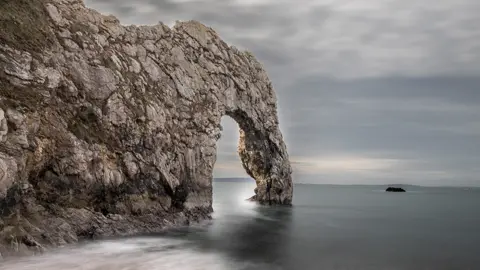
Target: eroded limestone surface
109 130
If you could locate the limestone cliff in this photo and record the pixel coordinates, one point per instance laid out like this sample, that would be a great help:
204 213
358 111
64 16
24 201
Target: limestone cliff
108 129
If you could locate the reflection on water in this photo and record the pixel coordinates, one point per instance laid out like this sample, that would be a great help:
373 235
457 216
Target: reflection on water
327 228
242 235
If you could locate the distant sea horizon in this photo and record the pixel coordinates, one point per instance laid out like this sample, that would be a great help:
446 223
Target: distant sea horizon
246 179
328 227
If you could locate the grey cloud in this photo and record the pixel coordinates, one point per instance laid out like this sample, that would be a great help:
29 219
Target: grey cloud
335 38
428 125
365 79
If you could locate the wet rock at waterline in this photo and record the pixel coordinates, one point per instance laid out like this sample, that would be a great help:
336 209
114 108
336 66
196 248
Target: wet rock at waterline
111 130
395 189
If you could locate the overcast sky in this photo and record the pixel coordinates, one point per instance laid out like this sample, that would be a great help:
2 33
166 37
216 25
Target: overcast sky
370 91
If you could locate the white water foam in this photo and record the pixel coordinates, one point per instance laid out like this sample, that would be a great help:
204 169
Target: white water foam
125 254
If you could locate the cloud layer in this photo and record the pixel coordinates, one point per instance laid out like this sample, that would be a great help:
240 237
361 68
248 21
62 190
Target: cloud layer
341 38
370 91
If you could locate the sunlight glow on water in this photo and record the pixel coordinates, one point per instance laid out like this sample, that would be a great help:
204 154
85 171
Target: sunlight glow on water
239 200
328 227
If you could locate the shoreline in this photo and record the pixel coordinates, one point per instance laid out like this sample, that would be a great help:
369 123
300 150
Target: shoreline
121 228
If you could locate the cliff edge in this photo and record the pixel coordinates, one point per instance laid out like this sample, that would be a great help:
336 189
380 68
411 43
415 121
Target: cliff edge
111 130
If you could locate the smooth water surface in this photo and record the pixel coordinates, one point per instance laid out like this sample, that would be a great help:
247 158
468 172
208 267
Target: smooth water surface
329 227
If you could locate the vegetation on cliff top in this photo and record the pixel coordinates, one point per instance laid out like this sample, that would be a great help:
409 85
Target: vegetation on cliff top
24 25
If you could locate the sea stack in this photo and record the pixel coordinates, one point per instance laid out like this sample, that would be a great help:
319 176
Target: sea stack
395 189
111 130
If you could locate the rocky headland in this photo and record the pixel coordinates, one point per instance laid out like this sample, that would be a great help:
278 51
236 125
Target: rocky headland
111 130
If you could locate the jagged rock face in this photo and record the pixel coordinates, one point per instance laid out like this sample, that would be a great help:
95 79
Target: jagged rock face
108 129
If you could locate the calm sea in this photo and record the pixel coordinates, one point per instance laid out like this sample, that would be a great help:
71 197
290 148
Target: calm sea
329 227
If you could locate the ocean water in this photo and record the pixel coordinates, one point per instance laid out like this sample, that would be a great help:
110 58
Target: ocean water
329 227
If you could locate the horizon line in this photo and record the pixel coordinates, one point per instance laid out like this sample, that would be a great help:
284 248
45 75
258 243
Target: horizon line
366 184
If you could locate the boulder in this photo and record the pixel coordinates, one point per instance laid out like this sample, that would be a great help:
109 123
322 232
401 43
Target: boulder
395 189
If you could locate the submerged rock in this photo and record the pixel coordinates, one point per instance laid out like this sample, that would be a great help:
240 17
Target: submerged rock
111 130
395 189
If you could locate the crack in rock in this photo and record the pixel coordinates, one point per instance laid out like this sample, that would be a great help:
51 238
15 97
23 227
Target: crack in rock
111 130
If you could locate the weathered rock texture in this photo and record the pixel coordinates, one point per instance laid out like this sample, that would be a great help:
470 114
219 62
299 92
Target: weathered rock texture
108 129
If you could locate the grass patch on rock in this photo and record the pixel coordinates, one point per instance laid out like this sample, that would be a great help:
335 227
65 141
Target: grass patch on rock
24 25
19 97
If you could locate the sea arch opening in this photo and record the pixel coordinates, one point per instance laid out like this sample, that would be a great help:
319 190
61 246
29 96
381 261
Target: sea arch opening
261 157
231 182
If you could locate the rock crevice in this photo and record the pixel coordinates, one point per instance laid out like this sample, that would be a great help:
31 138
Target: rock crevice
111 130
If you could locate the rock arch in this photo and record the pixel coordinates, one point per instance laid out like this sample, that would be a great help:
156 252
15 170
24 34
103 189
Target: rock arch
264 158
111 129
